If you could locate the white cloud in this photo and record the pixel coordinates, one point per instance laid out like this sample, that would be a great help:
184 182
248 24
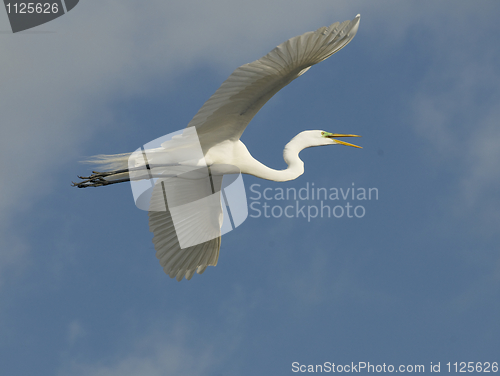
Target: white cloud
75 331
482 153
159 358
14 258
182 346
456 110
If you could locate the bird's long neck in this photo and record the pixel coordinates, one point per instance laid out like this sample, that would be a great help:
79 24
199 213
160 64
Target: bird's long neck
291 157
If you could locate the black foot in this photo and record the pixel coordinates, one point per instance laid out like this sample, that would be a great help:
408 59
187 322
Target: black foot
97 179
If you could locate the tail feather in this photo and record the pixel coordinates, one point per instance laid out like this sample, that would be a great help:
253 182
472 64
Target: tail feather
110 162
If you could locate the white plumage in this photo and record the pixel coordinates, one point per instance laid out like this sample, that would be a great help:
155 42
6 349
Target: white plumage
219 125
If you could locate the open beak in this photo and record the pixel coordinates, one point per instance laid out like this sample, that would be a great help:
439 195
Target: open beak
335 135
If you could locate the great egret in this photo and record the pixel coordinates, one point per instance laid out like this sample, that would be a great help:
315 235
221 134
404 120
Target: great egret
219 125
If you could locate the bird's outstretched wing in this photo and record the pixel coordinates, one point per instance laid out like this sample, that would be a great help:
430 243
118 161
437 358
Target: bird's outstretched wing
194 220
224 117
229 110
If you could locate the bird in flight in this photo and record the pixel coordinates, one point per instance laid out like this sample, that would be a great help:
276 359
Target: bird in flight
217 128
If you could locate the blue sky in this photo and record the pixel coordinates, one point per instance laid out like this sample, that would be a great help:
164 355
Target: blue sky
416 280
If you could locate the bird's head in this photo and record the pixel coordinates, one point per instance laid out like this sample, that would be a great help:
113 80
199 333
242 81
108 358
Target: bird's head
320 138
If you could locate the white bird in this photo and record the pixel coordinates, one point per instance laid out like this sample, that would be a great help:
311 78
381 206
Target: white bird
219 125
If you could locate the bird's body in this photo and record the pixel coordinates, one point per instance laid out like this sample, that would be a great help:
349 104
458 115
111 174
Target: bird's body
219 125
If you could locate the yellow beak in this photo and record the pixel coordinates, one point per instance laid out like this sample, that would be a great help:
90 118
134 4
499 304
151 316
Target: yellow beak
342 142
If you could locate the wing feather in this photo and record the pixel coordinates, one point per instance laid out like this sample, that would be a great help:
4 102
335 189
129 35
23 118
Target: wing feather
225 115
177 262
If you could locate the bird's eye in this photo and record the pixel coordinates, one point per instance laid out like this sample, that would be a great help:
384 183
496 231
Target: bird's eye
322 133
